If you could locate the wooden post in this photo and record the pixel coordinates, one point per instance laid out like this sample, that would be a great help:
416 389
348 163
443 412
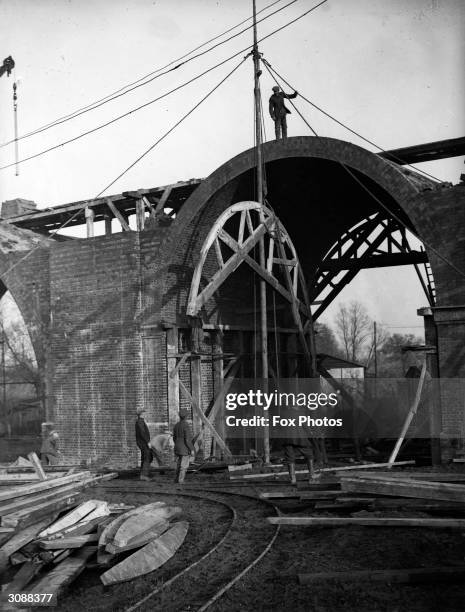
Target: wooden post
411 414
107 225
196 386
140 215
173 381
217 367
90 214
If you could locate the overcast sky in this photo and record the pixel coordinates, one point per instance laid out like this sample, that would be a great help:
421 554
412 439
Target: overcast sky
391 69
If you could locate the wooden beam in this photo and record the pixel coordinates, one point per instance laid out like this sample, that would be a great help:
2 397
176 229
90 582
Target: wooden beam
204 419
68 542
412 412
118 215
140 214
173 381
29 516
196 387
405 488
108 220
218 403
182 360
90 214
311 521
391 576
20 491
164 198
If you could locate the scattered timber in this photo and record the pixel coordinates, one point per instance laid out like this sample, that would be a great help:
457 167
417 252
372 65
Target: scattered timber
72 517
323 470
55 581
110 530
310 521
21 538
39 470
68 542
148 558
144 538
26 517
405 488
20 491
141 522
412 575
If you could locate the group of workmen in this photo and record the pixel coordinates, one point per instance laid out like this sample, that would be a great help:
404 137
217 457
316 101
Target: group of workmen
181 442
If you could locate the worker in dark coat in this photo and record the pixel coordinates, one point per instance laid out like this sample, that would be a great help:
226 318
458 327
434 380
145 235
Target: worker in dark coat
142 441
183 446
296 443
279 112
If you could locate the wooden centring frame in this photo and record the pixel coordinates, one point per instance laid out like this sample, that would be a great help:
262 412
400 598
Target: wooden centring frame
242 246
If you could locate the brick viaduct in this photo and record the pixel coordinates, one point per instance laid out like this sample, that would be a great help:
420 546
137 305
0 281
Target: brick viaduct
105 314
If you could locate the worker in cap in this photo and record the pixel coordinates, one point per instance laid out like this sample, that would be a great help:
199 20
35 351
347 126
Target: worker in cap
142 441
183 445
49 452
161 444
279 112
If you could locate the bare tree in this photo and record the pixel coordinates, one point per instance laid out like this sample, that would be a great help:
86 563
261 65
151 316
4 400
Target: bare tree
354 329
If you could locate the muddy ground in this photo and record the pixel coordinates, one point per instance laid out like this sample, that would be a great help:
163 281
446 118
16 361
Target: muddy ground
272 584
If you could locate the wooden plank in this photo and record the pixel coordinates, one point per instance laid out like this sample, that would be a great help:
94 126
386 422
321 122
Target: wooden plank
68 542
34 459
405 488
240 468
64 573
20 539
118 215
311 521
141 540
412 412
32 515
148 558
204 419
323 470
141 522
278 495
164 198
410 575
25 575
42 486
82 512
173 382
429 476
25 477
29 501
112 527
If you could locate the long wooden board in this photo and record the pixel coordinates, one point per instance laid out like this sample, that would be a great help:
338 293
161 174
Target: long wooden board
148 558
51 483
68 542
64 573
32 515
141 540
141 522
428 476
312 521
39 470
20 539
73 517
110 530
411 575
405 488
368 466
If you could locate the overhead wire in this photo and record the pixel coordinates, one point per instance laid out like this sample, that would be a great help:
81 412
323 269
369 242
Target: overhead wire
79 211
137 84
140 107
392 156
367 190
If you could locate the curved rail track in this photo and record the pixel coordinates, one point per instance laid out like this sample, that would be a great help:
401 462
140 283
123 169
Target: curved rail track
199 585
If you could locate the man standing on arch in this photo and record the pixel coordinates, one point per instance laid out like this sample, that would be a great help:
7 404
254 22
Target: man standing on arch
278 111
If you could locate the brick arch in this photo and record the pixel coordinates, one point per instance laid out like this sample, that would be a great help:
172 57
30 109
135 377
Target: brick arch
294 166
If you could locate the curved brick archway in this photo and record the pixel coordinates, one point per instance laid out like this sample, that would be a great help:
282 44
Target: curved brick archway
314 196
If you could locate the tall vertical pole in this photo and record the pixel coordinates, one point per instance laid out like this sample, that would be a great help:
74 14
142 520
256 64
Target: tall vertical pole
375 349
15 113
259 189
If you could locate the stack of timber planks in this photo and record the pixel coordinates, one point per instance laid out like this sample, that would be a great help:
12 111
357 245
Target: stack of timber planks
28 516
365 496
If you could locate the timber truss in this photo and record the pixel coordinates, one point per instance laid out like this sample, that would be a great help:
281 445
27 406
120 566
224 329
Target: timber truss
375 242
231 242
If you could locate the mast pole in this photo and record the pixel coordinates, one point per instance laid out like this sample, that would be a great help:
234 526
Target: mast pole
259 190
